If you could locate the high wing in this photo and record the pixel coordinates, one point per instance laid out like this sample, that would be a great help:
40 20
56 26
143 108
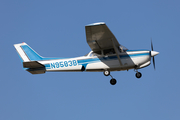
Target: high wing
99 37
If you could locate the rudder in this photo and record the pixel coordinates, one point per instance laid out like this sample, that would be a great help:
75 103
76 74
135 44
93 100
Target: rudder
26 53
29 59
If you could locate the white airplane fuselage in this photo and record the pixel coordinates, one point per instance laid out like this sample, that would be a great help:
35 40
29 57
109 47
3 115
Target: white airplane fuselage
130 60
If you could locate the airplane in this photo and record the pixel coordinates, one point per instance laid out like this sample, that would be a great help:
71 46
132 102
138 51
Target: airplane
107 55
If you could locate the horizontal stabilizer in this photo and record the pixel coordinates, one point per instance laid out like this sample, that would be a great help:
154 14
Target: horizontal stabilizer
32 64
34 67
36 70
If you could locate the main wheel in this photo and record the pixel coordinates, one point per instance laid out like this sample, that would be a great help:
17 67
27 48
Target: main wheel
106 73
113 81
138 75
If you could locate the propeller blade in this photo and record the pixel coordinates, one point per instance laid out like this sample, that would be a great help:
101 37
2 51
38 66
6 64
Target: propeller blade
151 45
153 53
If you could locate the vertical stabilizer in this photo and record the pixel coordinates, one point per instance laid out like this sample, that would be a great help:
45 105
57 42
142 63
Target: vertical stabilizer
26 53
30 59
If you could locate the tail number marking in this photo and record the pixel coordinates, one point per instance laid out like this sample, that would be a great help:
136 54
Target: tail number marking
64 64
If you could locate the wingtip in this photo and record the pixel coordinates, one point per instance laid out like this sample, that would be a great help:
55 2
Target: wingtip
98 23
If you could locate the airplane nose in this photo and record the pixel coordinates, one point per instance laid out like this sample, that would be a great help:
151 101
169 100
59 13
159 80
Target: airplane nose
154 53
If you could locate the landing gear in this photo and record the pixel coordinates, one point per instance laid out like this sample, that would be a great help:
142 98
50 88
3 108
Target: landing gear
138 75
112 81
106 72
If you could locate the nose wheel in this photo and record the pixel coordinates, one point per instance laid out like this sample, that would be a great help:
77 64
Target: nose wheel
112 81
138 74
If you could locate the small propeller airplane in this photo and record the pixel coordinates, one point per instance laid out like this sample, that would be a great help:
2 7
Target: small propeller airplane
106 55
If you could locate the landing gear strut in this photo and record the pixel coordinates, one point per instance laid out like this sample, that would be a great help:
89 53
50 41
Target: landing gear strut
112 81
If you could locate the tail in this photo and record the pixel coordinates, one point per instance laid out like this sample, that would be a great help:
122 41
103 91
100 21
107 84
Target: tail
26 53
30 58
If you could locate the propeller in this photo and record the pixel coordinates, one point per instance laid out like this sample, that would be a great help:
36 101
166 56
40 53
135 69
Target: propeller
153 53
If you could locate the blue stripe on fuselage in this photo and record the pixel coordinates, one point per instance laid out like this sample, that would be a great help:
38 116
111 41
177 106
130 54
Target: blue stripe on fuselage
84 62
92 60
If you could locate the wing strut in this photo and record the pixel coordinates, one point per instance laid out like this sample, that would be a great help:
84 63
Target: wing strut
115 49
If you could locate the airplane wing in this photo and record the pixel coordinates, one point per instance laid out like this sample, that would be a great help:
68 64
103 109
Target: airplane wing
99 37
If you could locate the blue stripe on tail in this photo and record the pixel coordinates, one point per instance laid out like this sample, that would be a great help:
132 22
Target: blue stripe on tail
32 55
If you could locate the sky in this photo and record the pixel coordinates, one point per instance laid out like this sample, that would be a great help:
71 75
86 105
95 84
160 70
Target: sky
56 28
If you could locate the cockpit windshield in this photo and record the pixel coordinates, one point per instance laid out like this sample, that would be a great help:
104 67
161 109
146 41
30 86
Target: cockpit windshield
122 48
92 54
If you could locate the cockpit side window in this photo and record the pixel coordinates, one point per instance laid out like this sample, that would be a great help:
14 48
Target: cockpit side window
98 52
108 51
